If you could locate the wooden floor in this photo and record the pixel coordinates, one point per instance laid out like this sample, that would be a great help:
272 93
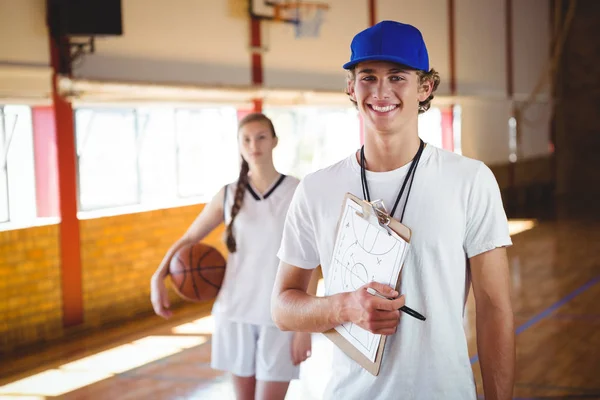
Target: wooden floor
555 269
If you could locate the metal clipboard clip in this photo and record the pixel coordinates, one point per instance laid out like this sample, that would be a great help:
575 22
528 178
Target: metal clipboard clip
376 214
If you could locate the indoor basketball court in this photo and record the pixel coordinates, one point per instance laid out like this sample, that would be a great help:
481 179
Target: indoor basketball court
118 125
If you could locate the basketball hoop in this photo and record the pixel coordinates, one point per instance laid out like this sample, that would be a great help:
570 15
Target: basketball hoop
307 16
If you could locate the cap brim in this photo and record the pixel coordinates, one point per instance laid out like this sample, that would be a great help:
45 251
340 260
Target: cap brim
397 60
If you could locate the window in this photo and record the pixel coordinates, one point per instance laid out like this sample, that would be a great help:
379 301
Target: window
512 139
457 128
157 158
154 155
207 150
441 127
430 126
311 138
107 151
17 174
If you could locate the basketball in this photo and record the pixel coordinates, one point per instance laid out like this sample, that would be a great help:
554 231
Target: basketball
197 272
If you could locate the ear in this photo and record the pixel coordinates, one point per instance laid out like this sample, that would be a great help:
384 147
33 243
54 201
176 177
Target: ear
425 89
350 89
276 141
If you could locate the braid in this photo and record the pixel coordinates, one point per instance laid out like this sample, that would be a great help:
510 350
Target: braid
238 198
238 201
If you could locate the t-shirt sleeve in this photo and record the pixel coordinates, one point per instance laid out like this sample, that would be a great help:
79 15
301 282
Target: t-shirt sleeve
298 244
487 225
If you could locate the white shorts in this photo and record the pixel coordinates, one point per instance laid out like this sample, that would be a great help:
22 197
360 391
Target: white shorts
253 350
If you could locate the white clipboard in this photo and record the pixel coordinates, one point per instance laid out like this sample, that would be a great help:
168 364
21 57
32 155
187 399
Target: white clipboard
366 237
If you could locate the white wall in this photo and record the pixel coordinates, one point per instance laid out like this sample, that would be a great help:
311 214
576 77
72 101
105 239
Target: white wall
531 43
202 42
480 47
485 129
314 62
178 41
431 17
23 32
25 84
25 74
197 42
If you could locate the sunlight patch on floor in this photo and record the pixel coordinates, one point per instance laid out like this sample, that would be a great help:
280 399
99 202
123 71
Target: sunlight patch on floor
92 369
516 226
202 326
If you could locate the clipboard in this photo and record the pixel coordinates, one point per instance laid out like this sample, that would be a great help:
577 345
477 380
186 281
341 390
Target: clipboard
374 213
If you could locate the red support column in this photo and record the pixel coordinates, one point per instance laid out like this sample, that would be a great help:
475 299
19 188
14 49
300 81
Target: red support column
452 46
372 12
509 50
257 67
70 251
448 113
255 44
257 105
46 161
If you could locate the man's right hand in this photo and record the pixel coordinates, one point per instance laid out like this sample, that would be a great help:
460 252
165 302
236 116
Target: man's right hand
377 315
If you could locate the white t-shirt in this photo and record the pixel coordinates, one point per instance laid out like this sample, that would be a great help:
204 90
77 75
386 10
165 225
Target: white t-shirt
454 211
246 292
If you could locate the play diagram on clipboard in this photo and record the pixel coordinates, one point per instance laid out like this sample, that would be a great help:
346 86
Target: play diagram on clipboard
363 252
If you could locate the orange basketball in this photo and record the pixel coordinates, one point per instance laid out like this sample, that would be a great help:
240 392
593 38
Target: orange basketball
197 272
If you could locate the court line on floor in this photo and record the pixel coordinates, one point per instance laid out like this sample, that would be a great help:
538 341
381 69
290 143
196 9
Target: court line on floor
538 317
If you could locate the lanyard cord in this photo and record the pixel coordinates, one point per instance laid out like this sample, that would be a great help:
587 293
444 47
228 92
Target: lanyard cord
410 175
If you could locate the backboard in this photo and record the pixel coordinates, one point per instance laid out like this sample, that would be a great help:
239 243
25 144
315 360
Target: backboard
264 8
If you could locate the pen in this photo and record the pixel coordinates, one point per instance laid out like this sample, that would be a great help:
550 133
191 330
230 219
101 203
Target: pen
405 309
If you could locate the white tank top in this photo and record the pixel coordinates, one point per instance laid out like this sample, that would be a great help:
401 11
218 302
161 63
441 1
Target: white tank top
250 274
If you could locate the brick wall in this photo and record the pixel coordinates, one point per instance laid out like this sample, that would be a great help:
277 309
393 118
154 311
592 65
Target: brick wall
119 255
30 296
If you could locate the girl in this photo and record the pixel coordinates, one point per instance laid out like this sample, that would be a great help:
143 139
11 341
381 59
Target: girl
262 359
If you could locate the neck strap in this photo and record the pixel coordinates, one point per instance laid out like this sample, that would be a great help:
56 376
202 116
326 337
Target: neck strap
410 175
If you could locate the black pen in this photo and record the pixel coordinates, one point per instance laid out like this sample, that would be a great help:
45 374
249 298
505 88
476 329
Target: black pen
405 309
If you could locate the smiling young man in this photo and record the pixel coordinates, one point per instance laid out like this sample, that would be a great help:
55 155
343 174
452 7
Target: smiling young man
453 206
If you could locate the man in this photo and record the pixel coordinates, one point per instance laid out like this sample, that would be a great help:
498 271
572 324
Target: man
453 207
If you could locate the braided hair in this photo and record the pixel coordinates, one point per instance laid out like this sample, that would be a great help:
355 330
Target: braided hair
243 179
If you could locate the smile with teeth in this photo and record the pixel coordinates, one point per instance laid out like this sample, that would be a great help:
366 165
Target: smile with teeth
384 109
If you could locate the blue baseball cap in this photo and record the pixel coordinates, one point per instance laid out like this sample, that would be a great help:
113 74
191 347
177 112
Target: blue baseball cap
390 41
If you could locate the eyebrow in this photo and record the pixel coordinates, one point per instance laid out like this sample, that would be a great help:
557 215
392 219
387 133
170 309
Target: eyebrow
390 71
258 133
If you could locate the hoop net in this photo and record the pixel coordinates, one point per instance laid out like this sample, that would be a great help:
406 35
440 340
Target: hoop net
306 16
